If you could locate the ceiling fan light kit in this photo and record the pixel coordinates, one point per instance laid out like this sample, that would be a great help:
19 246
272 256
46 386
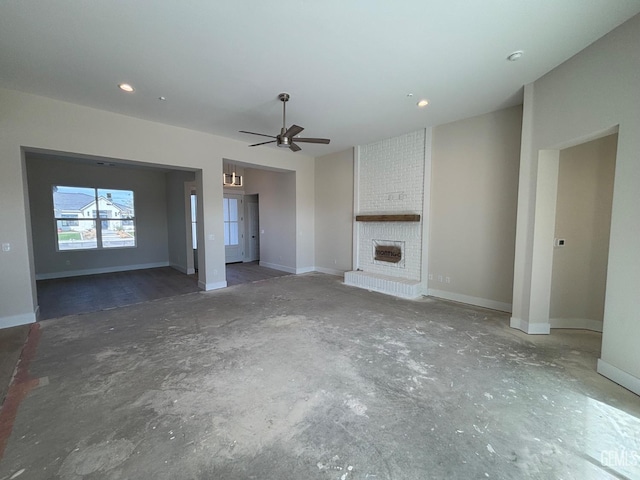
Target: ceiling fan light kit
286 137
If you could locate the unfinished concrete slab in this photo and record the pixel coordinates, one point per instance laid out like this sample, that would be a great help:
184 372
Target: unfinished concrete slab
302 377
11 343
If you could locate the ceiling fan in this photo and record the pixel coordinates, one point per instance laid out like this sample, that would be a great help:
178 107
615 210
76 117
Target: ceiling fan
287 136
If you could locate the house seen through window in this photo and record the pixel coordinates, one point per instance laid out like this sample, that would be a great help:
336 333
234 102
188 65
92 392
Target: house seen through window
93 218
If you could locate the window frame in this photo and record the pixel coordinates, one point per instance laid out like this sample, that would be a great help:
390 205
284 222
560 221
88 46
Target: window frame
98 216
228 222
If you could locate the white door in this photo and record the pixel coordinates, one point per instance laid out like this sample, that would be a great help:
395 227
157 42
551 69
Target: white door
233 228
194 228
191 230
254 232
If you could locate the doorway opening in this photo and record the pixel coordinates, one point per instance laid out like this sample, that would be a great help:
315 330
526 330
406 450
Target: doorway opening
252 228
233 214
194 228
581 235
259 222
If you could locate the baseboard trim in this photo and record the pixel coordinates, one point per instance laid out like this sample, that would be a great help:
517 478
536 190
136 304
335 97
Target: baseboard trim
212 286
576 323
478 302
191 271
16 320
618 376
95 271
275 266
179 268
530 328
329 271
305 270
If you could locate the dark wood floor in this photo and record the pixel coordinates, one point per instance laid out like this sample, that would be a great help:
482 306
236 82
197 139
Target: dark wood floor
69 296
238 273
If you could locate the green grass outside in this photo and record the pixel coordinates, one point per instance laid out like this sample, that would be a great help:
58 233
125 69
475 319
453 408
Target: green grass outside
66 236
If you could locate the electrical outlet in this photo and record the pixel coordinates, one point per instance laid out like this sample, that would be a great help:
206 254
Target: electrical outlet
431 276
447 279
6 247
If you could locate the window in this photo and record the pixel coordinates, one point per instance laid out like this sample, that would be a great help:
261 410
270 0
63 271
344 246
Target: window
70 223
230 208
93 218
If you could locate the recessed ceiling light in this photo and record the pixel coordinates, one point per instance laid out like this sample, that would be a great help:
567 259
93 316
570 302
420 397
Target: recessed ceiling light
162 99
515 55
423 103
125 87
409 95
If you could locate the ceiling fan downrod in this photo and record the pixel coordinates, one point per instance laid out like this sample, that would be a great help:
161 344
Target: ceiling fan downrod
284 98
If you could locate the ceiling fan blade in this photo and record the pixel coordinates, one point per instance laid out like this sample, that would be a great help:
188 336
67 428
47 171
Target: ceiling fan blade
294 147
312 140
293 131
254 133
263 143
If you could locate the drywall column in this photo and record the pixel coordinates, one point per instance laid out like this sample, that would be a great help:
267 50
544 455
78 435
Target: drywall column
543 233
522 257
535 227
426 208
620 357
16 256
211 268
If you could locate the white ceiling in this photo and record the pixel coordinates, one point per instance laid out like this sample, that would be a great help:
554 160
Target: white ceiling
348 64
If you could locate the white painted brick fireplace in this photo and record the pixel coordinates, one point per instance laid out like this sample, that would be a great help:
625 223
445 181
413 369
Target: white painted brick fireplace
390 179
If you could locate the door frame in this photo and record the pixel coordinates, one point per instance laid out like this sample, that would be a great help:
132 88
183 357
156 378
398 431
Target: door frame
189 189
241 241
248 220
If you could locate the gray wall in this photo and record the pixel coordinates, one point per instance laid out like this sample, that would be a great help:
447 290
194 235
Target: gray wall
334 212
277 192
583 219
474 188
150 208
177 218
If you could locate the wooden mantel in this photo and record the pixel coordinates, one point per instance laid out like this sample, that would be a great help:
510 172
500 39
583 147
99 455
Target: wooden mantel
388 218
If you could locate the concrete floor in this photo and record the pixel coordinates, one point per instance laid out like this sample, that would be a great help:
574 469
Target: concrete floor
301 377
11 343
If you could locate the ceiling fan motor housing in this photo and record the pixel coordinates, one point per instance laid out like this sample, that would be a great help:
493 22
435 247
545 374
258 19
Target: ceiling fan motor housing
282 140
